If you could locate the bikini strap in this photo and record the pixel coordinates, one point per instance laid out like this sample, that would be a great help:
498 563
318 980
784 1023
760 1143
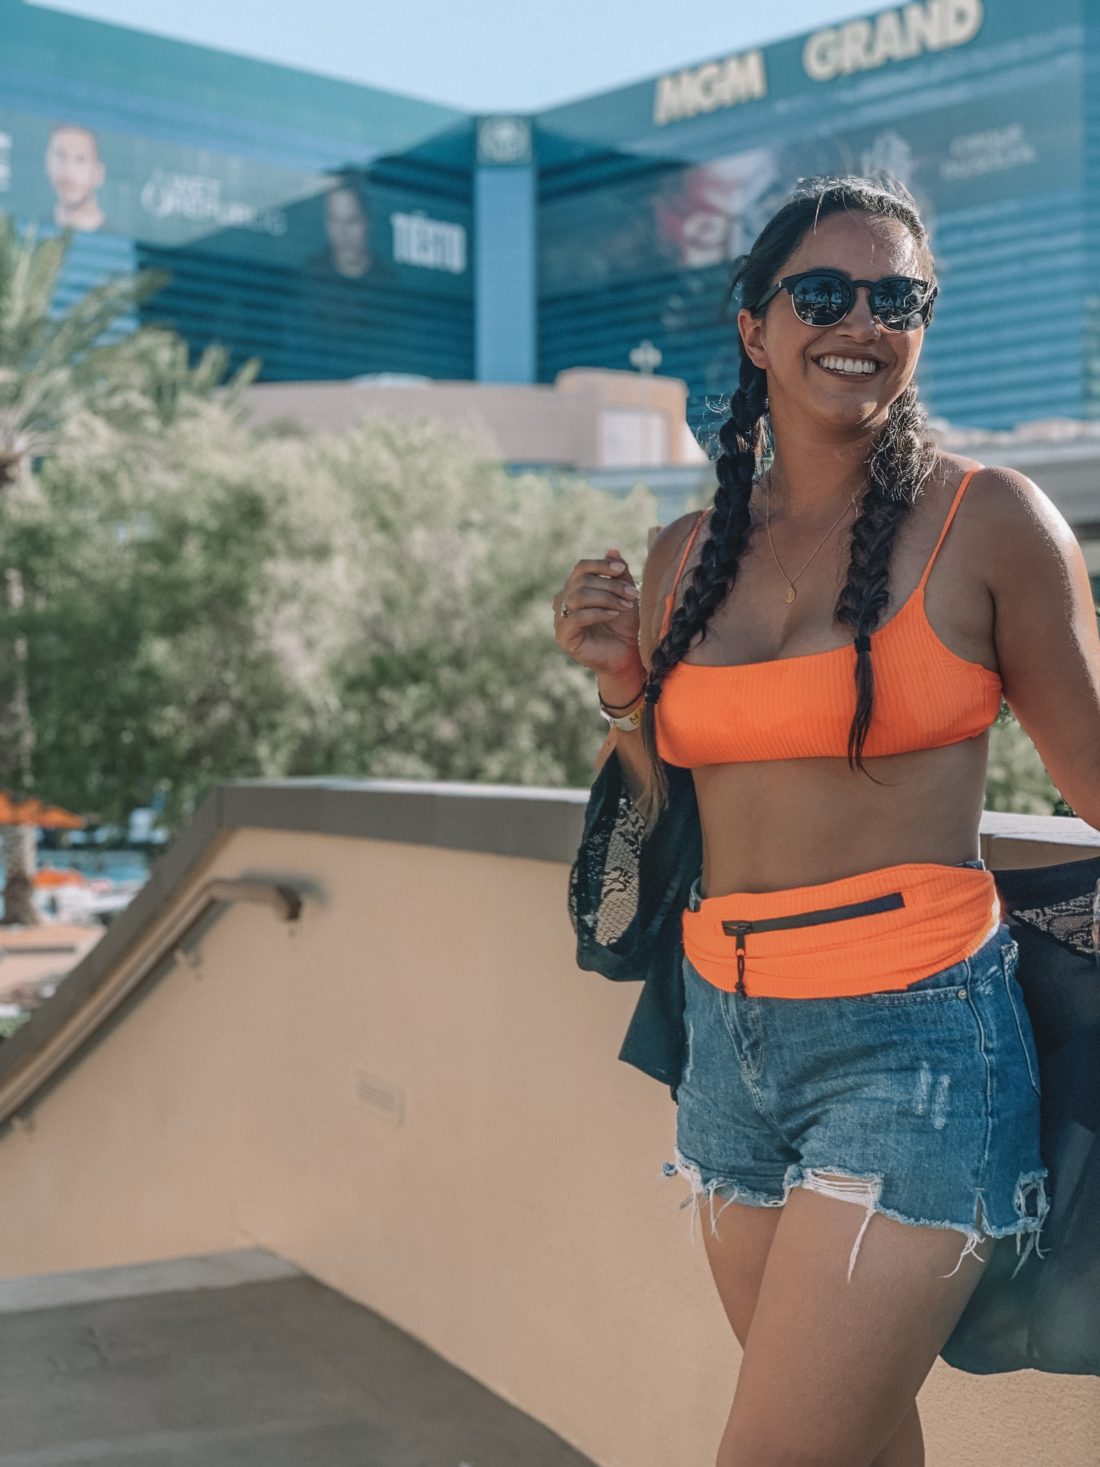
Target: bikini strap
667 618
947 525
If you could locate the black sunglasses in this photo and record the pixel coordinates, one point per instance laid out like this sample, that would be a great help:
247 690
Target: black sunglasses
824 297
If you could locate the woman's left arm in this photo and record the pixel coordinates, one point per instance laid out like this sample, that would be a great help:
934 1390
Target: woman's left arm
1045 629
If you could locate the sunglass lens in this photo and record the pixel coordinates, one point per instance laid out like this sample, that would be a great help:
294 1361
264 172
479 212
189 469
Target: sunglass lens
821 300
899 303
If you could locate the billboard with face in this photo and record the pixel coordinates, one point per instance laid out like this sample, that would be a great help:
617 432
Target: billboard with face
325 271
76 174
650 193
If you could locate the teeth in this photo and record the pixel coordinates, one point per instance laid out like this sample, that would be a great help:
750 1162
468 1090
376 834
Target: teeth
849 364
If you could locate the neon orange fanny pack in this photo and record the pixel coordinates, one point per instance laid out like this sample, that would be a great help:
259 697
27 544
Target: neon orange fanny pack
881 929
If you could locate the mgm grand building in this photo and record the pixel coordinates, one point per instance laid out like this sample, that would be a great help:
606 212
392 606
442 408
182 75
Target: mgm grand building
340 232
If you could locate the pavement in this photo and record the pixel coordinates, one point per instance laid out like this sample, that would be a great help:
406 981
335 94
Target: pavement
236 1360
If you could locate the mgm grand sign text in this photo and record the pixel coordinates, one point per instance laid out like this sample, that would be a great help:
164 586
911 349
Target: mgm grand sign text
859 45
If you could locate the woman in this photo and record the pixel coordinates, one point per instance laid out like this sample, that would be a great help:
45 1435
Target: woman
825 648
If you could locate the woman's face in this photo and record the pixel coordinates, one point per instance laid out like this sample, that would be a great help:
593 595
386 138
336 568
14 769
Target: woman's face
864 247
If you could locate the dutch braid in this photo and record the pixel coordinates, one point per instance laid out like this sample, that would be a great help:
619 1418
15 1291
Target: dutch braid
899 464
741 439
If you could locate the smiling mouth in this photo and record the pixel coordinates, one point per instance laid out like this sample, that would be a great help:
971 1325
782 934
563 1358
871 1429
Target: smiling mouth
854 369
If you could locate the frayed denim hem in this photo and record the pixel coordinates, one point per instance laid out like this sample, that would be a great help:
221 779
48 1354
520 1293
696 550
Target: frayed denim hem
1030 1200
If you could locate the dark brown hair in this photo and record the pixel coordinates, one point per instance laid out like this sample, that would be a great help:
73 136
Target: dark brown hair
900 461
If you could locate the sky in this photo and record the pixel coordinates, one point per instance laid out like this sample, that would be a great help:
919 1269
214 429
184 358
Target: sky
477 55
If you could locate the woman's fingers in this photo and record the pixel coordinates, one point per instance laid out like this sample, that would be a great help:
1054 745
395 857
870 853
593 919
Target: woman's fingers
585 616
596 591
603 574
612 565
621 586
592 591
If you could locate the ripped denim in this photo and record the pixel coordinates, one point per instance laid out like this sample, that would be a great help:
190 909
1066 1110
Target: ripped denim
919 1103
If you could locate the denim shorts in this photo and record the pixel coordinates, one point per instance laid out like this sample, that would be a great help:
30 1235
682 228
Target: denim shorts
921 1103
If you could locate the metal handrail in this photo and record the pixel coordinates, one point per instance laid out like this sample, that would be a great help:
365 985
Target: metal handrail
127 974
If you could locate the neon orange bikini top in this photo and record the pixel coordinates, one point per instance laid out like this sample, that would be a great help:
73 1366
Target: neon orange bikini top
802 707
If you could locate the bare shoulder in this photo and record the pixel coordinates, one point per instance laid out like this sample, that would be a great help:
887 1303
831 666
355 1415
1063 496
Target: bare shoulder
1019 523
660 568
667 545
1044 629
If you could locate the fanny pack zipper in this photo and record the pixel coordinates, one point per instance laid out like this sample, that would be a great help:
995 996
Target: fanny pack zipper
888 903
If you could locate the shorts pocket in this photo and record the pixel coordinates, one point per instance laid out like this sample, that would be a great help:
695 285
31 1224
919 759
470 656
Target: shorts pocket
948 983
1010 955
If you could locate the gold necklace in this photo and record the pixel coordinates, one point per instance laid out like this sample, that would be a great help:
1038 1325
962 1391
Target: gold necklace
792 593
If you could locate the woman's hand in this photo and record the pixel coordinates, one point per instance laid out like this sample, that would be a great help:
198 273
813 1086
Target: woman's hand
599 627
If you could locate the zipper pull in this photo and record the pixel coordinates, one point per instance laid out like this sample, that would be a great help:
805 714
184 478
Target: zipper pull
738 930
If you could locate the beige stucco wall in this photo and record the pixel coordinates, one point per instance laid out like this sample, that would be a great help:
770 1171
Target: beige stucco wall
515 1218
523 422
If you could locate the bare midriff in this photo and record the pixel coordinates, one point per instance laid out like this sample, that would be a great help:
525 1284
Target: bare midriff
772 825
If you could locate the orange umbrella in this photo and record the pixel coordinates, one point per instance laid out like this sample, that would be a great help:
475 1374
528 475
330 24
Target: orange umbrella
30 810
59 876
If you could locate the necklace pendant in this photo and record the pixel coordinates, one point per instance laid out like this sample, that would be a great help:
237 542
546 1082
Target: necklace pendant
791 595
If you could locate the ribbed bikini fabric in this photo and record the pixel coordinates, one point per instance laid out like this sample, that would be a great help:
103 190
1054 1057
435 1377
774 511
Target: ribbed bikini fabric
801 707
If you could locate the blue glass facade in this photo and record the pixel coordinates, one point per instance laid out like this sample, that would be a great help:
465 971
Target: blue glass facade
322 226
647 194
336 230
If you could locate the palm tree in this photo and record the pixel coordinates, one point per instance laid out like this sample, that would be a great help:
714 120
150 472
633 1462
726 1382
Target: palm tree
50 364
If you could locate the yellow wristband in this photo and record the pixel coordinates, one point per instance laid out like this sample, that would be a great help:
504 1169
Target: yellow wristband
628 722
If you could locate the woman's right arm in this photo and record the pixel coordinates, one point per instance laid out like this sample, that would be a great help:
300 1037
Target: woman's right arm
618 648
660 567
